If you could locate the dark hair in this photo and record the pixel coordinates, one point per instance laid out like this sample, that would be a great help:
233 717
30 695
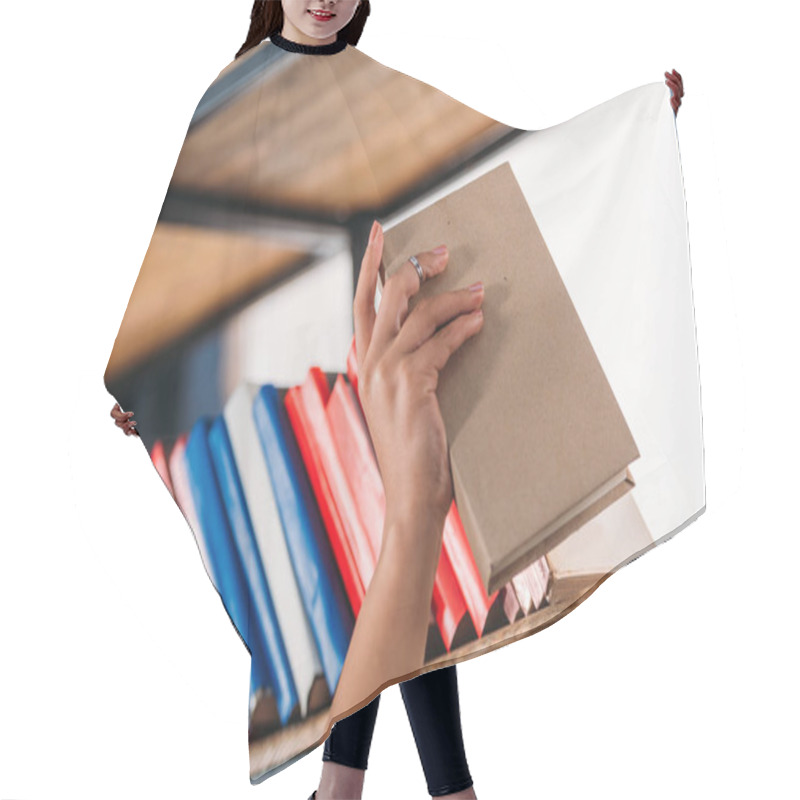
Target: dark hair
266 18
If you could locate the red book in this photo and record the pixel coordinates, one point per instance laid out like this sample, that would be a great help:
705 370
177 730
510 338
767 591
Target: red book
482 608
358 459
449 607
305 406
486 611
352 368
434 632
317 395
159 458
354 445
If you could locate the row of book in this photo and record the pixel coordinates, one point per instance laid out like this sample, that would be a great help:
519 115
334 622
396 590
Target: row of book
284 495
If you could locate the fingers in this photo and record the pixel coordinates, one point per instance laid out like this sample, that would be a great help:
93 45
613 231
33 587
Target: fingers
673 86
675 82
674 96
435 312
120 415
364 300
398 291
122 419
436 351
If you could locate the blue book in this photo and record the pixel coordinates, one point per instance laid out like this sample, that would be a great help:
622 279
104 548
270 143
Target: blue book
317 576
264 622
228 575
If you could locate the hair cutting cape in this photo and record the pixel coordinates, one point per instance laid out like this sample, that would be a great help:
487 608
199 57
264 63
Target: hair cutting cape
235 354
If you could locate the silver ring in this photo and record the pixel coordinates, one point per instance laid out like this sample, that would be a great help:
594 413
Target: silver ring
413 260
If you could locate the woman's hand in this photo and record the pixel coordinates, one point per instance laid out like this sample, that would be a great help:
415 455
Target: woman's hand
122 419
675 82
399 357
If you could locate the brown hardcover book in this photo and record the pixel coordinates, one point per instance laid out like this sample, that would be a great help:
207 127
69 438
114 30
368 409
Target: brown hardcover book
538 442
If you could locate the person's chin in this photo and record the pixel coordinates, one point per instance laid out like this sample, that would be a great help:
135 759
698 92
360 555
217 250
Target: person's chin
315 34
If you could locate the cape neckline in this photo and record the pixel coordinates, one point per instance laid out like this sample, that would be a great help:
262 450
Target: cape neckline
309 49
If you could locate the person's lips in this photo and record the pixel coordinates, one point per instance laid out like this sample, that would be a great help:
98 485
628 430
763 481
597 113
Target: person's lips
323 16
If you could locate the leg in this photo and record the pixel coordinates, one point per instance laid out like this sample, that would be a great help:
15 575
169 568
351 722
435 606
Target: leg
345 755
435 716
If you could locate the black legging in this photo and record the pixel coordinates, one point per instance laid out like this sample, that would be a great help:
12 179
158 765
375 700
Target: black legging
433 711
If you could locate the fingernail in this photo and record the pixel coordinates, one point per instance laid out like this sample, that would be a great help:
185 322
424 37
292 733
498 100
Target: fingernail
476 287
442 248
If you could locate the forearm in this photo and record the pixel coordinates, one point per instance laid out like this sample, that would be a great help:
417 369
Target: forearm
392 626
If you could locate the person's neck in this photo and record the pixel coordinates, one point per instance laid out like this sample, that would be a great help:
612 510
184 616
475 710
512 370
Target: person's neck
321 47
293 34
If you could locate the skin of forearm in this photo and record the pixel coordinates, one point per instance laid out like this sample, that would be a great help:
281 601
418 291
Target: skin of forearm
392 626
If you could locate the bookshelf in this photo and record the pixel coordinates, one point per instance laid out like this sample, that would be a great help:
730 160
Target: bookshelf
238 224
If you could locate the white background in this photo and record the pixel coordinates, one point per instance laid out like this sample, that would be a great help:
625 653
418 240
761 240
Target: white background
120 674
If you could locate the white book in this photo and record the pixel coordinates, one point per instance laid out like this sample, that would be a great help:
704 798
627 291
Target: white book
522 588
301 649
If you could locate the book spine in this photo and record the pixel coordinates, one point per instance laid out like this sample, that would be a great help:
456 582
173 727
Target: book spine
183 496
271 549
352 441
305 433
511 606
331 457
523 591
457 547
266 626
158 456
319 581
449 604
227 568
